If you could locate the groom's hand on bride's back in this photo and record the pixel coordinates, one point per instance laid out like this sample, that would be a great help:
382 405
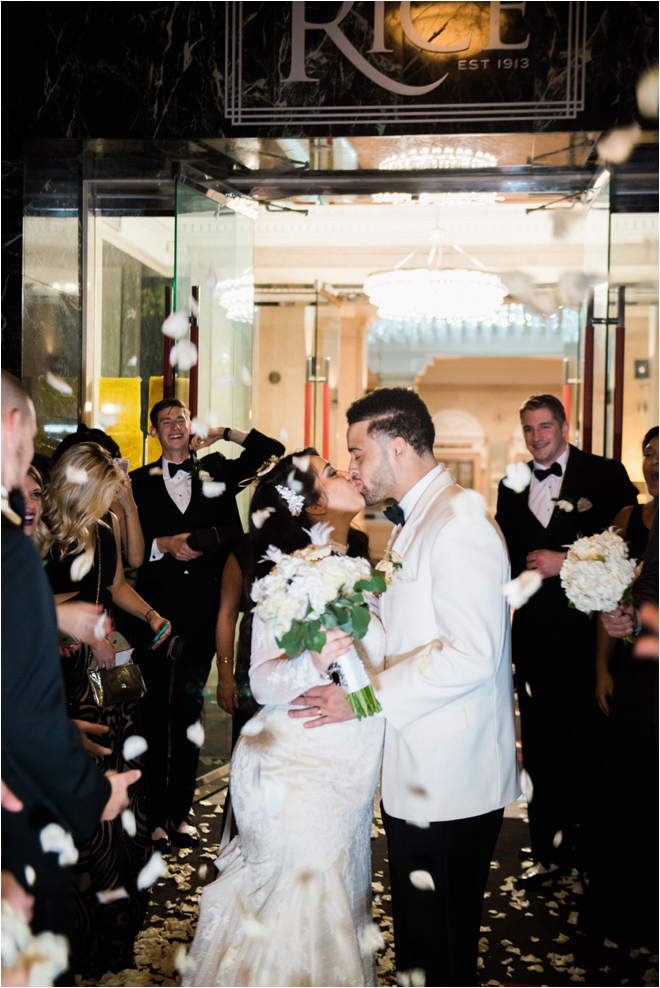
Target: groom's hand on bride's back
324 704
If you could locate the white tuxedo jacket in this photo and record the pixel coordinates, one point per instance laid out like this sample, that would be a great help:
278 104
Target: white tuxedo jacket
447 688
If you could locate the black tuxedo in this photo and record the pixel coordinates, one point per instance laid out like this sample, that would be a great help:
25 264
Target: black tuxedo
43 760
188 594
554 650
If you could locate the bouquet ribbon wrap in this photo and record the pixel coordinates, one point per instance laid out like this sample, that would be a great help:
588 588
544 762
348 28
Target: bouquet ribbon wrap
349 673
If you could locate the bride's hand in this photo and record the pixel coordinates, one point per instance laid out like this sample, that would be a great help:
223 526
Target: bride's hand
337 644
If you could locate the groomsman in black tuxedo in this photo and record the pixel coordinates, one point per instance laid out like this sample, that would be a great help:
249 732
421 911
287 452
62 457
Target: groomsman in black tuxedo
571 494
185 580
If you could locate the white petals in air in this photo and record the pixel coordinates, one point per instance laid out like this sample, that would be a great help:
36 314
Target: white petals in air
301 463
558 838
319 533
183 355
75 475
134 747
469 504
211 419
422 880
203 871
128 822
565 506
181 962
292 483
213 488
528 689
526 785
112 895
81 565
101 627
194 306
30 874
617 146
154 869
261 516
518 591
204 475
199 428
211 279
156 472
518 477
55 838
647 93
108 415
520 285
58 384
43 957
416 978
253 727
228 958
572 286
246 377
284 435
422 824
132 361
176 325
195 734
371 939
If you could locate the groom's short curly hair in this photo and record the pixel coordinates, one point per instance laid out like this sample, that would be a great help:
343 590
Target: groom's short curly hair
395 412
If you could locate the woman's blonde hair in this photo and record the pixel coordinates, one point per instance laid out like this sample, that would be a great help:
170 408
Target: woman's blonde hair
72 509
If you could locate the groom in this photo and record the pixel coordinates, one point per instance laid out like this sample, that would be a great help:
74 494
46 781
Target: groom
449 764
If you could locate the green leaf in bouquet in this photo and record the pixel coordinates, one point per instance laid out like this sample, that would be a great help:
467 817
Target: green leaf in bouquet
292 641
375 584
361 617
314 639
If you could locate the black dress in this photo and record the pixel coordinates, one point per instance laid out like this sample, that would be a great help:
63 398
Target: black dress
109 859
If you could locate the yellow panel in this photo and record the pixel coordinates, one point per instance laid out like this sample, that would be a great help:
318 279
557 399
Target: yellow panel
131 445
119 397
153 450
155 391
182 390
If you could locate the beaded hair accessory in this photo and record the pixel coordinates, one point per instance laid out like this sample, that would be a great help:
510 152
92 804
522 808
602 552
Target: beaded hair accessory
294 502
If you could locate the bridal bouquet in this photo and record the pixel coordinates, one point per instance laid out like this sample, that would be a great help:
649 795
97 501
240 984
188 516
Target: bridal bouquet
597 572
311 590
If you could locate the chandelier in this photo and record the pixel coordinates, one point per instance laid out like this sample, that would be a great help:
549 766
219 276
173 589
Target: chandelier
419 158
236 295
438 198
422 293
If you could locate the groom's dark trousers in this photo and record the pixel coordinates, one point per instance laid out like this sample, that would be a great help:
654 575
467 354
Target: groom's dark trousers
438 931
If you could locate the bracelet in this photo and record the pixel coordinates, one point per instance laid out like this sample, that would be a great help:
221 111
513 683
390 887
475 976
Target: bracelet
146 616
225 660
226 434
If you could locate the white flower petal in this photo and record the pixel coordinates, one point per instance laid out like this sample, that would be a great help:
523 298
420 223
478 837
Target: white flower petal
111 895
55 838
422 880
156 472
292 483
518 591
195 734
224 382
320 533
199 428
176 326
81 565
371 939
284 435
253 727
101 626
469 504
518 477
58 384
565 506
128 822
520 285
181 960
213 488
301 463
647 93
616 147
261 516
203 871
154 869
107 421
132 361
526 785
183 355
528 689
558 838
228 958
211 279
75 475
422 824
211 419
246 377
134 747
30 874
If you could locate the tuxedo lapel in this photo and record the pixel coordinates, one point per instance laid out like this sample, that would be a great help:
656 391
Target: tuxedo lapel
416 518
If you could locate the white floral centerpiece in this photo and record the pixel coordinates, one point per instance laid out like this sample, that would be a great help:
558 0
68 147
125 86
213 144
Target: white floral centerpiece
597 572
311 591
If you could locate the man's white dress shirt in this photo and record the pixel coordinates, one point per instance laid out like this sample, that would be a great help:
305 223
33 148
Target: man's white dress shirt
179 487
543 493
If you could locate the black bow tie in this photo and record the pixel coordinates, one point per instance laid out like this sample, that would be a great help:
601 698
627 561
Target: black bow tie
175 467
543 474
395 514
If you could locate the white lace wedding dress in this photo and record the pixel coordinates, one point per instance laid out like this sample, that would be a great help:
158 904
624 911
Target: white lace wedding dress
293 893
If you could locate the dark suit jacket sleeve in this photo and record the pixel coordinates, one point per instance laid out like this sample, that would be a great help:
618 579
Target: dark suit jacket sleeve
257 448
645 588
43 761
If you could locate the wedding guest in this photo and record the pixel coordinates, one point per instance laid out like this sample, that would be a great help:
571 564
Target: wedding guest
32 495
81 526
571 493
175 504
43 761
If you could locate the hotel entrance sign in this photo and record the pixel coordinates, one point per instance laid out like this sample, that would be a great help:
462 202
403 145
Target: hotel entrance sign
419 63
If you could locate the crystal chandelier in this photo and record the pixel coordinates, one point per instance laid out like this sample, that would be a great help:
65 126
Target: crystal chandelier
438 198
236 295
419 158
421 293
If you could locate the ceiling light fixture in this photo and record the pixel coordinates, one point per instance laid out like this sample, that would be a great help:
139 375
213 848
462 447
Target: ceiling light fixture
236 295
437 157
421 293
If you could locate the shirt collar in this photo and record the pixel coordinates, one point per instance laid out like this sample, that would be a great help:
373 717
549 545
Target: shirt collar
411 497
561 460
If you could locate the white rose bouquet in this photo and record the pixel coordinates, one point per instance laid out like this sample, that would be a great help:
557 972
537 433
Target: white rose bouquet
597 572
312 590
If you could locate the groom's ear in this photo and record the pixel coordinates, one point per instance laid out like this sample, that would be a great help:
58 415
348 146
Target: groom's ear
398 447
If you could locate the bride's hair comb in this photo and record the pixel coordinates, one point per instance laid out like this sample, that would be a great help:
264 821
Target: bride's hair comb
294 502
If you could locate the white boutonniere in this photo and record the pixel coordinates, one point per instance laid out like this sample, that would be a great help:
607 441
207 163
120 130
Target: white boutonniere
389 564
584 504
564 505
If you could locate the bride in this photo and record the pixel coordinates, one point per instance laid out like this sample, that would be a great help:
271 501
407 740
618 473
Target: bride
292 901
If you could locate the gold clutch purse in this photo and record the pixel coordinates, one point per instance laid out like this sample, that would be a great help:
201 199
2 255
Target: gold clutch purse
119 685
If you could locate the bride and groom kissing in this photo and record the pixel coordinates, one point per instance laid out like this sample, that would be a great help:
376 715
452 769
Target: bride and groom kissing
292 901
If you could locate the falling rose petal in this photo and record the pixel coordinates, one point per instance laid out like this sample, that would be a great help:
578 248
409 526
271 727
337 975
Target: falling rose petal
253 727
211 419
213 488
526 785
194 306
416 978
558 838
647 93
107 421
528 689
75 475
101 627
422 880
195 734
616 147
284 435
156 472
228 958
204 475
531 959
128 822
261 516
606 943
371 939
224 382
199 428
30 874
154 869
246 377
134 747
562 938
55 838
57 384
111 895
211 279
203 871
183 355
518 477
469 505
301 463
132 361
519 591
81 565
565 506
176 326
292 483
181 961
422 824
